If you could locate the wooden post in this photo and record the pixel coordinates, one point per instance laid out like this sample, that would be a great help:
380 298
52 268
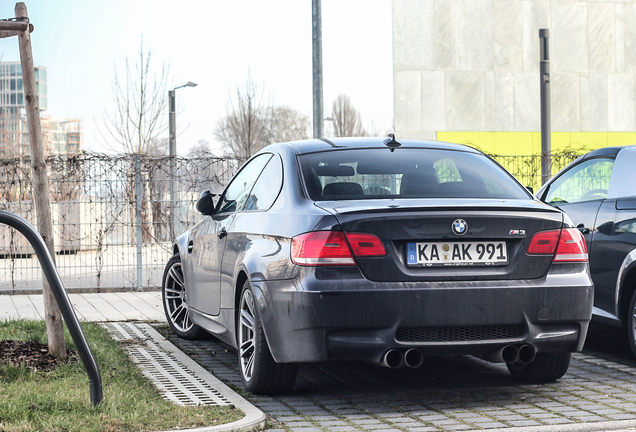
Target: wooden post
52 314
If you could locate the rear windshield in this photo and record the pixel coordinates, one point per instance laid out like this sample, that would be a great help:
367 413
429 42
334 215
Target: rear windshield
405 173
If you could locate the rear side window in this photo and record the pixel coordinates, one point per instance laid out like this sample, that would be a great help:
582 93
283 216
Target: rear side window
405 173
237 192
586 181
267 187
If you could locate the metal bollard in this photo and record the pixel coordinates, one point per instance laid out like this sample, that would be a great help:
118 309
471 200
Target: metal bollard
44 257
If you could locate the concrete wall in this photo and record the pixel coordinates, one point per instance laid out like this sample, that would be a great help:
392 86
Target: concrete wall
473 65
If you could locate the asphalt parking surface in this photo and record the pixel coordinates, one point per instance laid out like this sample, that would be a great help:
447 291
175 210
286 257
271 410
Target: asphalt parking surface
444 393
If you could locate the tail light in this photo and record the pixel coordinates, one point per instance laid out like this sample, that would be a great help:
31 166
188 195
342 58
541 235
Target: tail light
566 245
334 248
572 246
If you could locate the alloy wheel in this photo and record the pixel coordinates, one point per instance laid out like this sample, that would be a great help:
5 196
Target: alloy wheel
176 300
247 321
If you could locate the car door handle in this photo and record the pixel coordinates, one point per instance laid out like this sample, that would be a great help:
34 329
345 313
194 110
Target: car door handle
584 230
190 246
223 233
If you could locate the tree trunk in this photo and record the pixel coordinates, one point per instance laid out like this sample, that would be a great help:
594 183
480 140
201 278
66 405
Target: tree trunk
52 315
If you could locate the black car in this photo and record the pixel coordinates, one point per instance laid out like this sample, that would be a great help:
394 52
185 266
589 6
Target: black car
598 192
384 251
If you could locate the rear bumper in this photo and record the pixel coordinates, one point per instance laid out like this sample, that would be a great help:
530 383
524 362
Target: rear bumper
309 319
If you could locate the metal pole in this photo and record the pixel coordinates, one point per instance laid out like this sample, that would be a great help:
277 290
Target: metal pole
546 126
173 153
316 49
138 220
62 300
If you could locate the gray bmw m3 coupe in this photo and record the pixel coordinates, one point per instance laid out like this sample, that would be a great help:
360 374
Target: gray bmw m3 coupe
379 250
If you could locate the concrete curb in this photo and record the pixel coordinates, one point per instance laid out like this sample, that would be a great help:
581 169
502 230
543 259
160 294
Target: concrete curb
616 425
254 418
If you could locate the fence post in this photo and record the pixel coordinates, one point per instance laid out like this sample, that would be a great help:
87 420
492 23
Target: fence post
138 220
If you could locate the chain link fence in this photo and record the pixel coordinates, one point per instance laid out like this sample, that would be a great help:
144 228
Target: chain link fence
114 217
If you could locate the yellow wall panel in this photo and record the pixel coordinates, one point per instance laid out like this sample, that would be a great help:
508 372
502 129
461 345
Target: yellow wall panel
527 143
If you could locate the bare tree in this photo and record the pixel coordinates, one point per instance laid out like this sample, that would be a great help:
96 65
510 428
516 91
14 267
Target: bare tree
202 146
140 102
288 125
346 119
246 127
159 147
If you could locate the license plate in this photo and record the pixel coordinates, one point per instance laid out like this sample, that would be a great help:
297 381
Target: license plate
429 254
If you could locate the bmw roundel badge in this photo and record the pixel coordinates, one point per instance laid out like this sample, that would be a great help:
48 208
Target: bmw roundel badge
460 227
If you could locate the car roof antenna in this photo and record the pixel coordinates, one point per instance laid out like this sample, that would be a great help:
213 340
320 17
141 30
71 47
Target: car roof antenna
390 142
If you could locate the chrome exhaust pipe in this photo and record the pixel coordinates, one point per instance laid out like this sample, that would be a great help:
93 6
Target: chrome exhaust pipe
527 354
506 354
393 358
510 354
413 358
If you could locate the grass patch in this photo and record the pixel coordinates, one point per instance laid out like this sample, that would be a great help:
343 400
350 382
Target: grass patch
59 400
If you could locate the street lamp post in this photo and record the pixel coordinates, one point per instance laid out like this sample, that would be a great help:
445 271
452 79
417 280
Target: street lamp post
173 151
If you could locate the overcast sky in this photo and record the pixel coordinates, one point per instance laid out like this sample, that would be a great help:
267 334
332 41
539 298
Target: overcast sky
214 44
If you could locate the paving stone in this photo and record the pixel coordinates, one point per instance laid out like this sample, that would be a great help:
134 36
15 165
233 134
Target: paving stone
559 420
531 411
621 416
606 411
544 415
299 424
444 422
287 419
508 418
373 426
519 423
329 423
589 418
491 425
364 421
306 429
340 428
422 429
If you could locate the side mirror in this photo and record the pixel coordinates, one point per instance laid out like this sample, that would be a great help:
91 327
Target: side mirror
205 204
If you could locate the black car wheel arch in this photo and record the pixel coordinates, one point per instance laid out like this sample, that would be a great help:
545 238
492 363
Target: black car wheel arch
259 371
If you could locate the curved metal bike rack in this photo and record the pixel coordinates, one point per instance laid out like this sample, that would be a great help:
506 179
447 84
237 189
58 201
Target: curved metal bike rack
68 313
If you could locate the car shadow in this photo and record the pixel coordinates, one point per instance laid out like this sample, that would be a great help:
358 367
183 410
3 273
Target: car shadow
609 343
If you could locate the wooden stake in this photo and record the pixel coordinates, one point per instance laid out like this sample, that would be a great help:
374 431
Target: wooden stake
52 315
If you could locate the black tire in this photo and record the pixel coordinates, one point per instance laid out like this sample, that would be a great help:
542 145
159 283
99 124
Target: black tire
546 367
631 324
175 302
259 371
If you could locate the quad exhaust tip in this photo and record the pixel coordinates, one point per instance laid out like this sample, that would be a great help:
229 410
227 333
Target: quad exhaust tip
511 354
393 358
413 358
527 354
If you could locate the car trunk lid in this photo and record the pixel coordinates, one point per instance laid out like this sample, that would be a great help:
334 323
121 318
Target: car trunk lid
498 230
